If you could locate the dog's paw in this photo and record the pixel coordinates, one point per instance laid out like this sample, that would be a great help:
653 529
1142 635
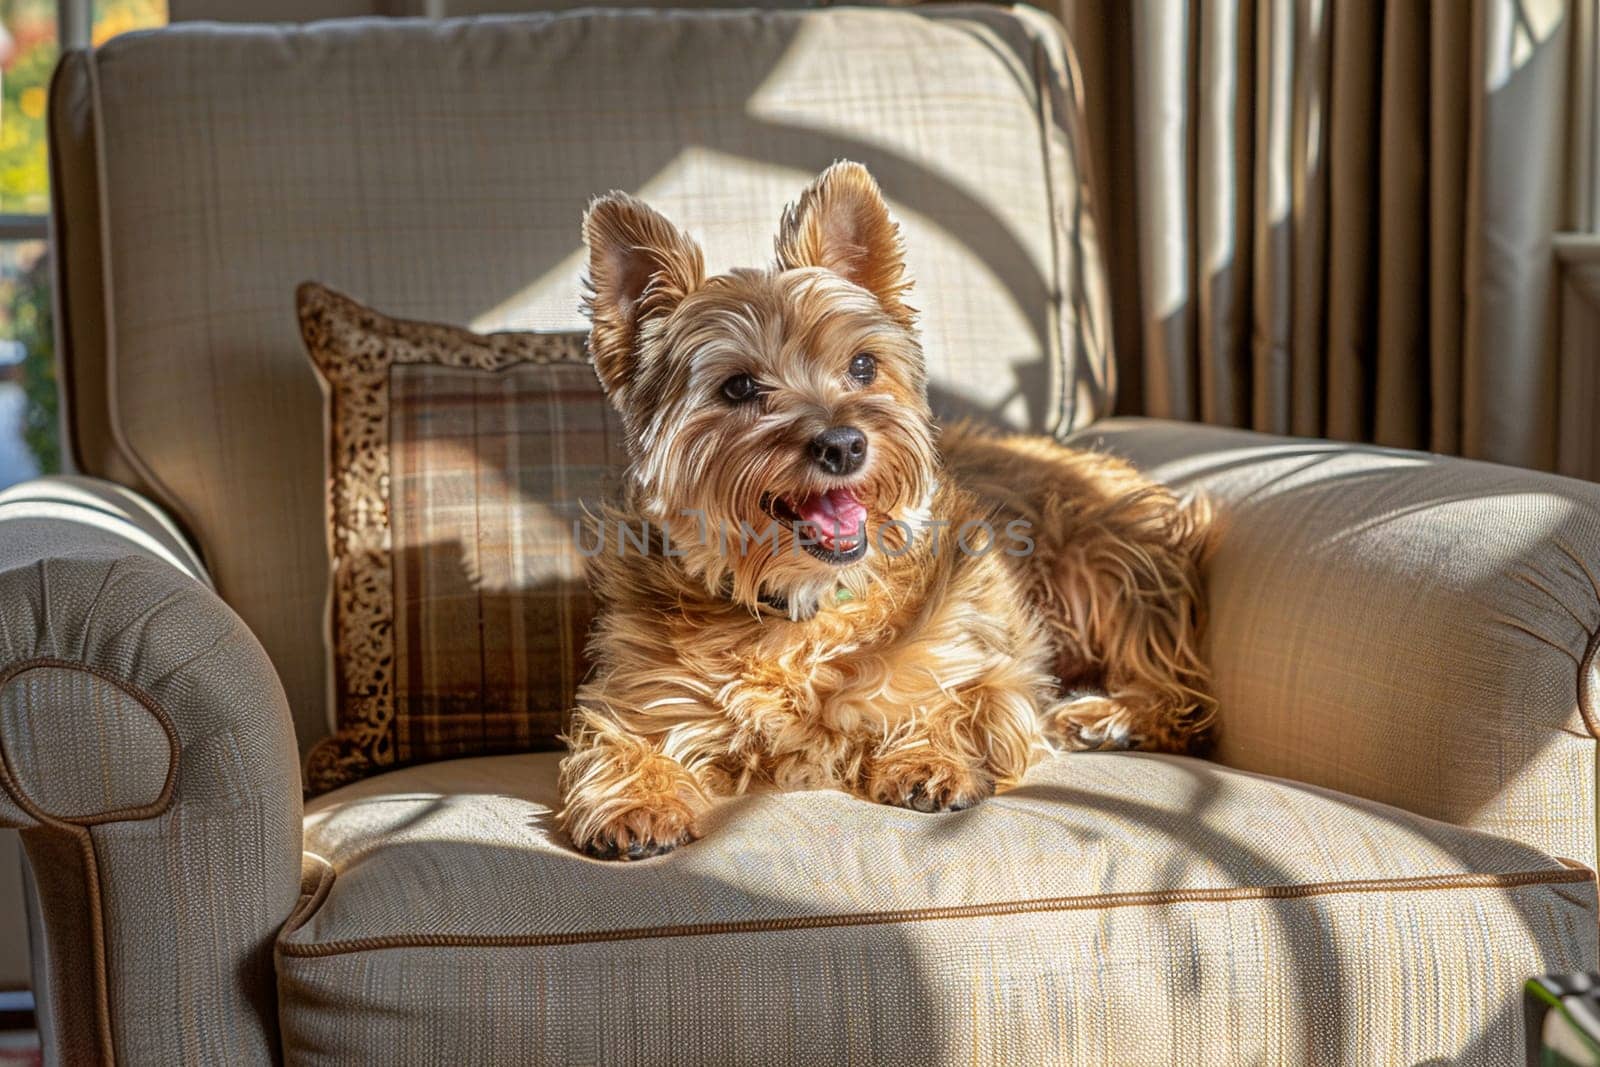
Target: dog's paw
931 798
640 833
929 786
1088 721
609 848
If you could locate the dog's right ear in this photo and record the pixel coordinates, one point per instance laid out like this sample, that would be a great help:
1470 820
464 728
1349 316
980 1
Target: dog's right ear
640 267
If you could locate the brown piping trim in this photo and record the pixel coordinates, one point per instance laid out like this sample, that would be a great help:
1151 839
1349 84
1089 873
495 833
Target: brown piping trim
97 932
163 799
1588 699
1100 901
60 297
78 829
310 900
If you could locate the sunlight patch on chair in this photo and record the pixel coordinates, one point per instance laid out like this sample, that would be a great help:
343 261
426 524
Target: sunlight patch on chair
97 518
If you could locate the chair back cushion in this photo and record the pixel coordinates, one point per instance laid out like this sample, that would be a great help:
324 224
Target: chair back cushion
440 170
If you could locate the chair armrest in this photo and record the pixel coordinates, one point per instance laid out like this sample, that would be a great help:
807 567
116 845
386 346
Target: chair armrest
148 757
1410 628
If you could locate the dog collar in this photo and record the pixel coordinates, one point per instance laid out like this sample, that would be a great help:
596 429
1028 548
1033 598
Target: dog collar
775 602
780 604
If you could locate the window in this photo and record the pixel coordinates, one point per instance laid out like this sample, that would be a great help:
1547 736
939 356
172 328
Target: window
30 32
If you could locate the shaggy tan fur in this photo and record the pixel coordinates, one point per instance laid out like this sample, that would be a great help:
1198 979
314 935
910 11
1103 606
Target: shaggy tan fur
928 673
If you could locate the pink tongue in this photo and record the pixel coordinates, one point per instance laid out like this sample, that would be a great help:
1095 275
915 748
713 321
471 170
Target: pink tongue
837 516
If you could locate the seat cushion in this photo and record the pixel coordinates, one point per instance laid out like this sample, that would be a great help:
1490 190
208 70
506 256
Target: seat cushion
1115 908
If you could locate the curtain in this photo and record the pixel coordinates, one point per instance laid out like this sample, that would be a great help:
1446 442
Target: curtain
1335 217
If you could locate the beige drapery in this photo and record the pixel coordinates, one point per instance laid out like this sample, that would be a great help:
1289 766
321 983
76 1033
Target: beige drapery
1335 217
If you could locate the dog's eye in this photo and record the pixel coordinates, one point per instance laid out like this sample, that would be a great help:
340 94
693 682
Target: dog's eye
864 368
740 388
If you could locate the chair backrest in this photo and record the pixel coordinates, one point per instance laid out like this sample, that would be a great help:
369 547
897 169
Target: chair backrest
438 170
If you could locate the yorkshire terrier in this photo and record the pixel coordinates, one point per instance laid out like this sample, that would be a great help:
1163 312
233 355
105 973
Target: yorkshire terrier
829 591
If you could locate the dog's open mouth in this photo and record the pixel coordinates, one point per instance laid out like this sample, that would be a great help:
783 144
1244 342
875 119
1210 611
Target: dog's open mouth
831 525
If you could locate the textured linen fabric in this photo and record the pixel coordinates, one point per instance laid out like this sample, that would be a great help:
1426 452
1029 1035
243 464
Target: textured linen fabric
149 761
76 258
440 169
460 468
1410 628
15 956
48 751
1114 908
1335 219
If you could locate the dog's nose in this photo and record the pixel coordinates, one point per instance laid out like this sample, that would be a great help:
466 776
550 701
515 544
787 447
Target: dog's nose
840 450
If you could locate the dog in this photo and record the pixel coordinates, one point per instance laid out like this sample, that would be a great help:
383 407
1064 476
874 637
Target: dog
788 615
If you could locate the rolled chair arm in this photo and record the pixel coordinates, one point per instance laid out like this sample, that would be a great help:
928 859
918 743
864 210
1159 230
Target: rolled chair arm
1411 628
148 757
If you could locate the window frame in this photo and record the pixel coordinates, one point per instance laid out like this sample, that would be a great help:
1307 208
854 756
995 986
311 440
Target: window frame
74 29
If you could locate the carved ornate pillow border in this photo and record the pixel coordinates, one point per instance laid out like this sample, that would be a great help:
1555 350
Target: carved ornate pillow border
457 464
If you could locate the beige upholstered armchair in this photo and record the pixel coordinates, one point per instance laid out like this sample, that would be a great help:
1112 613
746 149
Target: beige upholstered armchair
1395 829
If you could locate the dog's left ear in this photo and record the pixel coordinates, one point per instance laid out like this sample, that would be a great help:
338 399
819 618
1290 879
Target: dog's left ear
841 223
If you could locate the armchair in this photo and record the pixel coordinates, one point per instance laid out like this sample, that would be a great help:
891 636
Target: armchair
1404 645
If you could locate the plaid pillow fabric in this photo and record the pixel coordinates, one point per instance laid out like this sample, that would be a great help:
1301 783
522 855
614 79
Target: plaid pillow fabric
459 465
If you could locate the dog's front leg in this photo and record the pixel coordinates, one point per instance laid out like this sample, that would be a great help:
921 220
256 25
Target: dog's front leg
961 746
911 772
625 799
